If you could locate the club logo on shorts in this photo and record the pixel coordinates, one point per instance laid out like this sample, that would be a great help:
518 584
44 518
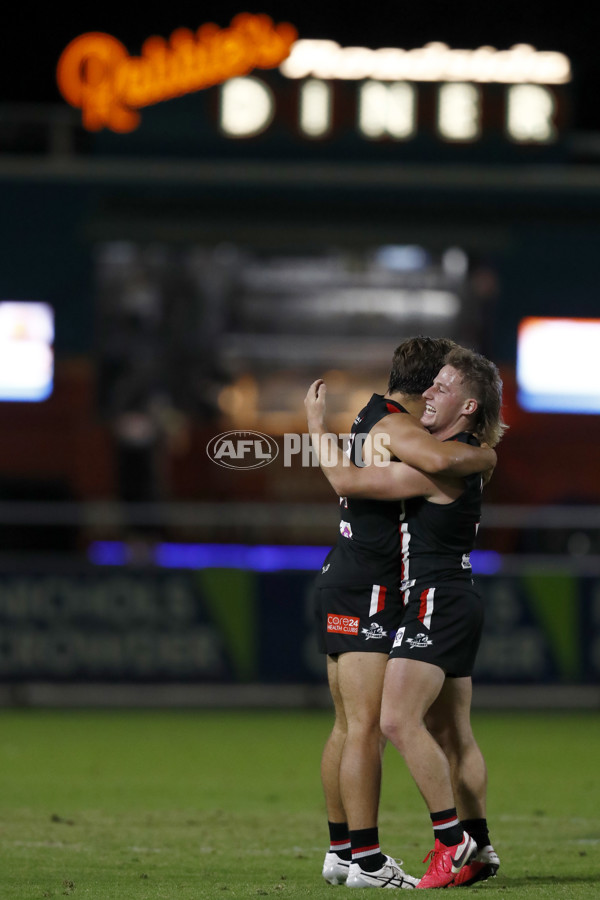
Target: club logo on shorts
399 636
419 642
342 624
373 631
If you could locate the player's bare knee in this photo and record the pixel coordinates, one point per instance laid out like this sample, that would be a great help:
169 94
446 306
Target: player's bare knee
365 727
395 729
340 728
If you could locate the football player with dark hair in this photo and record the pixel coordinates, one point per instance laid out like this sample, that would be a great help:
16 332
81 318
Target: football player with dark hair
427 688
358 610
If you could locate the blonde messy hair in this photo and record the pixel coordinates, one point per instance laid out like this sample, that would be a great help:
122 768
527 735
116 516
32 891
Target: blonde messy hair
481 378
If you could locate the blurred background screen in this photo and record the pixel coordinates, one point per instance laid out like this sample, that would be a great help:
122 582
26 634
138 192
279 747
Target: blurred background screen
26 350
557 365
238 330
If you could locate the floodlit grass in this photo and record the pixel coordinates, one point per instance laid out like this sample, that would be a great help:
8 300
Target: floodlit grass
147 805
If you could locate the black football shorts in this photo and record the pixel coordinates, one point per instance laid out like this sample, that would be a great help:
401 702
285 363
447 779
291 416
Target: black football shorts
441 625
351 619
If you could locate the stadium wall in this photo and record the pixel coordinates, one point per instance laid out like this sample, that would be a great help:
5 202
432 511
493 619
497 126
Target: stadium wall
98 635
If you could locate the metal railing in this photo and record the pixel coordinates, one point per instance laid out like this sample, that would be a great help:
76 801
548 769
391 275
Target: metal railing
181 514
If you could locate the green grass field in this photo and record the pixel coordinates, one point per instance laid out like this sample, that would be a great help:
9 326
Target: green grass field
144 805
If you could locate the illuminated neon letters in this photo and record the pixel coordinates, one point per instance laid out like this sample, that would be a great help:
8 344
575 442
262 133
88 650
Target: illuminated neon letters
96 74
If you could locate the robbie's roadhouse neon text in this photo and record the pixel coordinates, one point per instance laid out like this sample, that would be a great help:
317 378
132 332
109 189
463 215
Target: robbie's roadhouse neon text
96 74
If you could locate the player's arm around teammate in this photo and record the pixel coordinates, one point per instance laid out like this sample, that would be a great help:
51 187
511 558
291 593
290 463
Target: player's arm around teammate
402 437
420 703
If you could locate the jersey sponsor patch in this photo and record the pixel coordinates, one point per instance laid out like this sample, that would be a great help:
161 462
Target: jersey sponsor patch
342 624
374 631
346 529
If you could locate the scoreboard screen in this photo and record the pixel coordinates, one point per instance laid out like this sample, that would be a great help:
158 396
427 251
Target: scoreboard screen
557 365
26 352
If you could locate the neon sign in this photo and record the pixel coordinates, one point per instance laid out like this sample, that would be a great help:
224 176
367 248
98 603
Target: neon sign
96 74
522 64
389 111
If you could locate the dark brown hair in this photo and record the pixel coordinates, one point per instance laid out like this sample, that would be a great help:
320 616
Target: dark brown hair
416 362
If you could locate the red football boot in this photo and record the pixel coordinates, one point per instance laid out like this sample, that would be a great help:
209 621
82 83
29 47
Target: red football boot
483 866
446 862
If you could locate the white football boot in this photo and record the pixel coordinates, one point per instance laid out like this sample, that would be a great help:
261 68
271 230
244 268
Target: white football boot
335 869
389 876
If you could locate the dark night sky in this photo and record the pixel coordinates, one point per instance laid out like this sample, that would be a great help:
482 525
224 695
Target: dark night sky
31 58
